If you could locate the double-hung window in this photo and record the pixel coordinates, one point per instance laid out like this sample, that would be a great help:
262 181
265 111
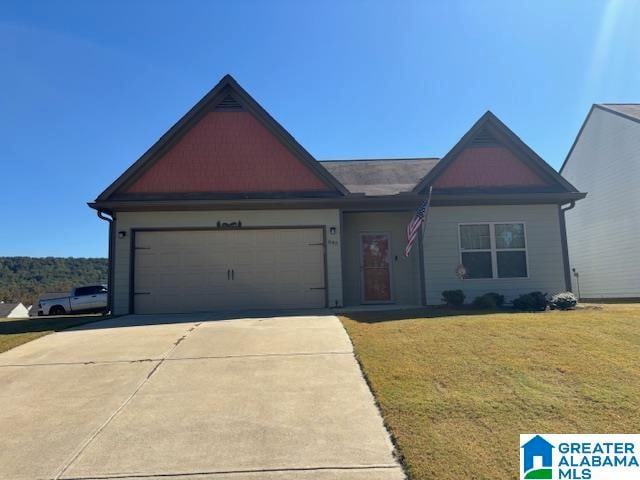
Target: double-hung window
493 250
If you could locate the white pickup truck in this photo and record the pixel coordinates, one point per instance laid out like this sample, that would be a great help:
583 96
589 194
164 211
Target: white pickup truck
90 298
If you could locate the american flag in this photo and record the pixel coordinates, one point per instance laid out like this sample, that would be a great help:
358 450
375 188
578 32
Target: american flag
416 223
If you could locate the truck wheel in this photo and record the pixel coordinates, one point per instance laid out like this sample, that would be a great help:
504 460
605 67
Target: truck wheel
57 310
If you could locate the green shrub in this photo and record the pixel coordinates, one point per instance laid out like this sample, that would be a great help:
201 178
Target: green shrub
455 298
488 301
531 302
563 301
485 302
499 299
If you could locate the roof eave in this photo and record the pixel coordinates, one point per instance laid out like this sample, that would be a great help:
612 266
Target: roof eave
381 202
575 140
607 108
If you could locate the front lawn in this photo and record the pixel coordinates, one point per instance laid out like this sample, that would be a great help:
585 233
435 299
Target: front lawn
456 388
14 332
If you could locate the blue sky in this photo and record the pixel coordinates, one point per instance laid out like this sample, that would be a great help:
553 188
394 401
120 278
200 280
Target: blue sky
88 86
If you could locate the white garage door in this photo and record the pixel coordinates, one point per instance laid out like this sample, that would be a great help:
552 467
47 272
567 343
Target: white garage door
203 270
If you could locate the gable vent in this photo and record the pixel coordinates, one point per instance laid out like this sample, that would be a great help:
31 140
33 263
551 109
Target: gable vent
228 103
483 138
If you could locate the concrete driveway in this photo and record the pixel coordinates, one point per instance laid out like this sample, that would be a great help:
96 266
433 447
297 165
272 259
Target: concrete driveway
191 397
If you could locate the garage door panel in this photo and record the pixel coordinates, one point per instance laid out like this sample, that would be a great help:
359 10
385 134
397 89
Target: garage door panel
183 271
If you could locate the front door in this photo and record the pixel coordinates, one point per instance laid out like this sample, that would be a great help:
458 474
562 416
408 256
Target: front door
376 272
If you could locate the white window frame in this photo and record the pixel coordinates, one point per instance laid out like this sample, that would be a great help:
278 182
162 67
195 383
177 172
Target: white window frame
493 250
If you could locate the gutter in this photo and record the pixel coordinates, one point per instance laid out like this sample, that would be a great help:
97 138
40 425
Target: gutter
111 219
565 246
352 202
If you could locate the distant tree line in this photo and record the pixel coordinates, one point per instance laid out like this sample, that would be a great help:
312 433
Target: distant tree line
23 279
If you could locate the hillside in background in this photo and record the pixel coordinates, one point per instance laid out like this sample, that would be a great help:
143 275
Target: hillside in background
23 279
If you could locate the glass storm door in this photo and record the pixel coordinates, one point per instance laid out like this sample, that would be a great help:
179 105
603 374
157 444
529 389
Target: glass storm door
376 273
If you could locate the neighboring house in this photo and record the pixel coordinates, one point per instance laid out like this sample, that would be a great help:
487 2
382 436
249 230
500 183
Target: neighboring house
228 211
13 310
604 230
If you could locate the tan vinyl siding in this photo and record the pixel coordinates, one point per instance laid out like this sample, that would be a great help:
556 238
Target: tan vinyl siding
544 250
603 231
405 272
125 221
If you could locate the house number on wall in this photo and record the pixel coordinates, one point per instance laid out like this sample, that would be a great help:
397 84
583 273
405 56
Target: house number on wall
237 224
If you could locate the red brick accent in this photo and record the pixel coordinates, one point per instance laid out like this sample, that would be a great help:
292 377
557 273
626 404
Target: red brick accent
487 167
228 152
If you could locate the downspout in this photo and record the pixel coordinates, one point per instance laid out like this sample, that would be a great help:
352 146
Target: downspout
111 218
565 246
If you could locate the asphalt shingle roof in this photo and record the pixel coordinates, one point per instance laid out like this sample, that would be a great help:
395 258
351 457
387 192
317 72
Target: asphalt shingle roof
380 176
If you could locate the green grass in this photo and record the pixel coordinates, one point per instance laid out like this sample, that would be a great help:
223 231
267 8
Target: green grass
456 388
16 332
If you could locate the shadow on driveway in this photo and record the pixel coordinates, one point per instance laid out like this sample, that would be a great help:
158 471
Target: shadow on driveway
45 324
97 322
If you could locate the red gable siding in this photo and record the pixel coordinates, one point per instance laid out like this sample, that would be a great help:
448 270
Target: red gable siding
227 152
487 167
